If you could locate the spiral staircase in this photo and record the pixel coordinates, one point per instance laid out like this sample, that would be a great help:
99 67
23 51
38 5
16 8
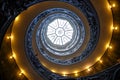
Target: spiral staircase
59 40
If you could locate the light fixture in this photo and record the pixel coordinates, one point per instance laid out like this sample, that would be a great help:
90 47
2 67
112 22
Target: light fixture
9 37
110 6
20 73
64 75
115 28
14 55
98 59
110 47
76 74
11 57
113 5
107 46
88 69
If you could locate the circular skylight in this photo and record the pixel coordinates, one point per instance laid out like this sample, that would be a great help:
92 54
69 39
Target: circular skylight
59 31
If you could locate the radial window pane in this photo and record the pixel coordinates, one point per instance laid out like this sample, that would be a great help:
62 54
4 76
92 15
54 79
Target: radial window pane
59 31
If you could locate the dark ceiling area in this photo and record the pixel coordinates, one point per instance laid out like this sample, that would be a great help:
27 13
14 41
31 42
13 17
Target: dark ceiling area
107 68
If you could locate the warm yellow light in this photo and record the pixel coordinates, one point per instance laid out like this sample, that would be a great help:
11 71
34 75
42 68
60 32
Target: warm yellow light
9 37
115 28
14 55
44 64
76 74
107 46
112 28
88 69
110 47
75 71
22 72
11 57
64 75
53 71
113 5
17 18
100 61
110 6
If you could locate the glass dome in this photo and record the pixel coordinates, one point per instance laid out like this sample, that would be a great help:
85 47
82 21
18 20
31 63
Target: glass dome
60 31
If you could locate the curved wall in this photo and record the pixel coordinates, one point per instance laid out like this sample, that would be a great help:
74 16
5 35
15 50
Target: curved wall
20 26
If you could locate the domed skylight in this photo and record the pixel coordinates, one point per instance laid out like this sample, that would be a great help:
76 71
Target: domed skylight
59 31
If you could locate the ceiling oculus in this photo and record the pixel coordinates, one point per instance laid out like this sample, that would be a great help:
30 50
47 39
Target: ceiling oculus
60 32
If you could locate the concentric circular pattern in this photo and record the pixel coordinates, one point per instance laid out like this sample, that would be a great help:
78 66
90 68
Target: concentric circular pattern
45 45
70 36
61 33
